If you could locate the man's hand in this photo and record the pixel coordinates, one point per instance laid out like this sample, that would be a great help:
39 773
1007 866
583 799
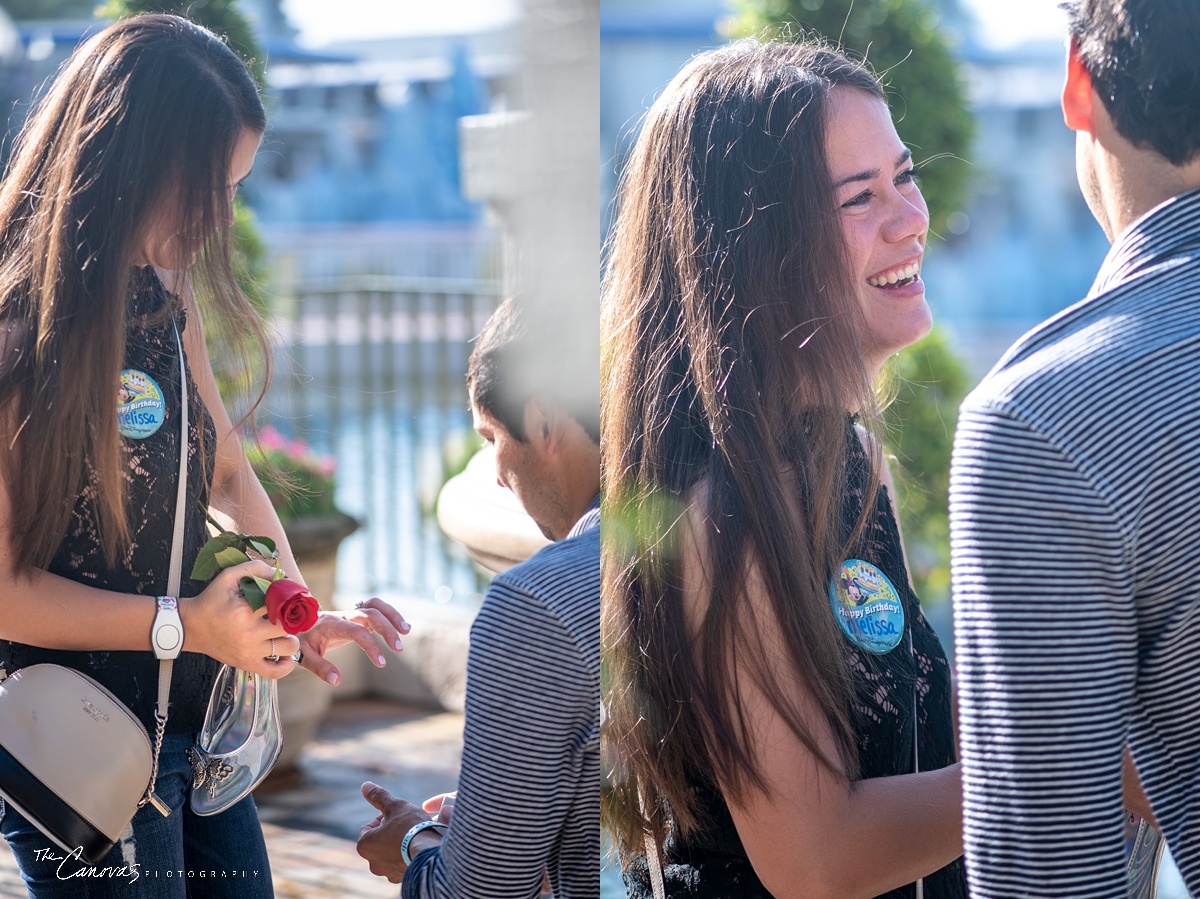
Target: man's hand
379 840
334 629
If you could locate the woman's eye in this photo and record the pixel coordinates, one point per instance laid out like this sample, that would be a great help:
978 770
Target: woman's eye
860 200
908 176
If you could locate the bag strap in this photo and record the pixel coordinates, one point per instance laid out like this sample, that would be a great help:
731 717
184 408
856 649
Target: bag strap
174 577
175 572
920 884
653 860
655 866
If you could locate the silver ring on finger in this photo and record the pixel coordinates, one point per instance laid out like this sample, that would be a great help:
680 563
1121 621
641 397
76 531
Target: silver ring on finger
360 604
274 656
298 656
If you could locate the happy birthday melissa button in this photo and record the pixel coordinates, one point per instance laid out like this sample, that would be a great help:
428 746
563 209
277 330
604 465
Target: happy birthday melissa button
867 607
141 409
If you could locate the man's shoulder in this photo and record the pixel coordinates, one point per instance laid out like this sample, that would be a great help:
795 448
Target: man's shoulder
1101 355
562 578
569 559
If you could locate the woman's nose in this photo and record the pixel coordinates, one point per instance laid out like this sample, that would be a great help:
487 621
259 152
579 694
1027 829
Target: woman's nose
908 217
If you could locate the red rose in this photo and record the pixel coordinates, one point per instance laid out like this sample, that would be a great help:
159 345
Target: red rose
290 605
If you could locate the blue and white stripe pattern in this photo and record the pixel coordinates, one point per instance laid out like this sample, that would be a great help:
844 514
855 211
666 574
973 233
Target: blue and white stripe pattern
1075 538
529 791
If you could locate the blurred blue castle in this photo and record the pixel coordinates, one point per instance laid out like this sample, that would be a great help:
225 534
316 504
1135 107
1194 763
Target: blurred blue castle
368 132
359 169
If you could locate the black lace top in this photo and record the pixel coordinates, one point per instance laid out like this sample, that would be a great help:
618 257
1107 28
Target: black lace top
713 864
151 482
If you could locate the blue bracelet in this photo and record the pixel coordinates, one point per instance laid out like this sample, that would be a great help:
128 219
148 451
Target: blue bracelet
412 832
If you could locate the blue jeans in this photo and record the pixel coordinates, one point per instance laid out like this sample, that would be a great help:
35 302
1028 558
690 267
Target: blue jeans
156 858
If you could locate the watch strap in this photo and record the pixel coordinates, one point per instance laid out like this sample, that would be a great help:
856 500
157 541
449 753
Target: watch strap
166 634
412 832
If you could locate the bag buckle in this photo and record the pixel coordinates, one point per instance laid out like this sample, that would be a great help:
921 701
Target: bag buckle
163 808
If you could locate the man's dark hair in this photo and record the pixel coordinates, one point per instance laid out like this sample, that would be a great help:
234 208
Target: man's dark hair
515 360
1144 64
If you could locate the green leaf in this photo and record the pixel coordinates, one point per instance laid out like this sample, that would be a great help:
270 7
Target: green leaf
207 566
228 538
264 546
231 556
254 592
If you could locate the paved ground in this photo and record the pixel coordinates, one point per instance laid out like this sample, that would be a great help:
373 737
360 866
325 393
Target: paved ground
311 818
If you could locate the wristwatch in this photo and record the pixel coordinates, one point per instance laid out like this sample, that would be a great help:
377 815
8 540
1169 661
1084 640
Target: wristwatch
166 634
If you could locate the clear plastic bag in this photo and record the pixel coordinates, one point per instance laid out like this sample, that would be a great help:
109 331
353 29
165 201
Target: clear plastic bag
241 740
1143 852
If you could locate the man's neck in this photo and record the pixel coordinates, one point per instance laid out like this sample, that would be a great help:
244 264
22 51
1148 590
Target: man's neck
1133 183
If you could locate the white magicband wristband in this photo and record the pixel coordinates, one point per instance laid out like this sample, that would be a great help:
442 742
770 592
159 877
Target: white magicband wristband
412 832
166 635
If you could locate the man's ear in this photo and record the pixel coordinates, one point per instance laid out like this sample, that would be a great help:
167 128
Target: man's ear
1077 96
537 423
544 421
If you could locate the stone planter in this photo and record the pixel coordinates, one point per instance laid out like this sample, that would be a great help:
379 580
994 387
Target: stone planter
304 699
314 542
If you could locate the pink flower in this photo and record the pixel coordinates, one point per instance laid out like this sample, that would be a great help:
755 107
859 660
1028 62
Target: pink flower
271 439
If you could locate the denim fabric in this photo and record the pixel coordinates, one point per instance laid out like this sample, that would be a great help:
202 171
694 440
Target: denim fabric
219 857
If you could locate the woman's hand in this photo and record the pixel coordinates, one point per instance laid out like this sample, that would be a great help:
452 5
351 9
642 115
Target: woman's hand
441 805
220 623
358 625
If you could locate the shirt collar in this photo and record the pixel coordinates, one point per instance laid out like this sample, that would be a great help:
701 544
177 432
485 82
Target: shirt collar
590 519
1159 233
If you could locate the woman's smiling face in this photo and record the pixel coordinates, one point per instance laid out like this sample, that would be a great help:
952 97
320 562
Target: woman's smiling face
884 222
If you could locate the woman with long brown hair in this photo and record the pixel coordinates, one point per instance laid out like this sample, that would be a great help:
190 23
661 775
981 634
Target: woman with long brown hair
779 709
112 210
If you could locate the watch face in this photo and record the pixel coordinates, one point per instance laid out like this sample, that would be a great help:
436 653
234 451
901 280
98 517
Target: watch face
167 637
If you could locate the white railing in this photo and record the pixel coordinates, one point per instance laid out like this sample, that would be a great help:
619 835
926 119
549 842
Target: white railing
371 370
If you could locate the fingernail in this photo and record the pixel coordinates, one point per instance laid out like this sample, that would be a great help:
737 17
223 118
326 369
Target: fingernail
332 677
381 661
399 646
406 627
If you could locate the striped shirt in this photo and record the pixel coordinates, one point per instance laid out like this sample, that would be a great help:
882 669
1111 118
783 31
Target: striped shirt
529 791
1075 538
